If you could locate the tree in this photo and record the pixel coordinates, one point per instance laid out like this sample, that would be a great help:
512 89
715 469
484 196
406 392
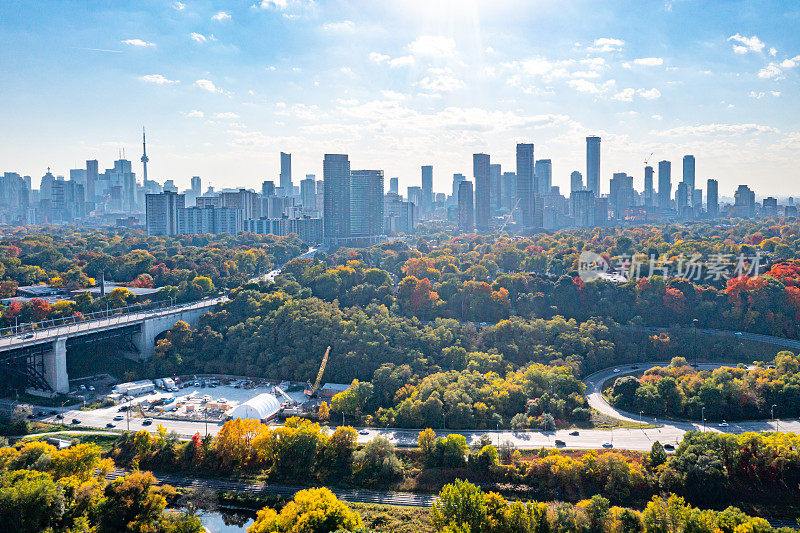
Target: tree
132 503
658 456
311 511
426 440
451 450
30 501
324 413
460 507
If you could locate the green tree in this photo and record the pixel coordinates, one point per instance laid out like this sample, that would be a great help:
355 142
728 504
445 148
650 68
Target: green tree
311 511
461 506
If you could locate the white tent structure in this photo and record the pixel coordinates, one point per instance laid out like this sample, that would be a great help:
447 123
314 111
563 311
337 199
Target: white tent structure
262 407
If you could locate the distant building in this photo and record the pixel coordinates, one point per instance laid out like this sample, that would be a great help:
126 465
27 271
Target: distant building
688 172
466 212
712 198
649 191
268 188
308 229
664 184
582 207
366 203
427 189
308 192
336 216
286 173
509 190
575 181
543 176
593 165
495 187
744 202
161 213
480 170
394 186
770 206
524 185
196 220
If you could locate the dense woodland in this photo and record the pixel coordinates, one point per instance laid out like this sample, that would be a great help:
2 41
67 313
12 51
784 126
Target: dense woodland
726 393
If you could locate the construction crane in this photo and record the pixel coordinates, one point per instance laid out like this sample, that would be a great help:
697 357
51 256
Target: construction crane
311 392
508 218
647 161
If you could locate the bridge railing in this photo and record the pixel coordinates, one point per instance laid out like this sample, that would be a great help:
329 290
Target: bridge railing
109 312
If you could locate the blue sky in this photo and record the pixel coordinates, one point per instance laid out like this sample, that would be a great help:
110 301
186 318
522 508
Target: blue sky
224 86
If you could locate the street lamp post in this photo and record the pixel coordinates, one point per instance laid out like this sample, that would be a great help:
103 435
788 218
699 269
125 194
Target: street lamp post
641 424
703 417
772 415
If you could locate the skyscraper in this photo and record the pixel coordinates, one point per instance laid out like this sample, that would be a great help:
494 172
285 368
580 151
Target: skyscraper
664 184
457 178
509 193
524 184
336 176
161 213
427 189
495 187
543 176
394 186
92 175
649 192
593 165
197 186
286 173
466 220
480 170
712 198
366 203
688 172
268 188
308 192
575 181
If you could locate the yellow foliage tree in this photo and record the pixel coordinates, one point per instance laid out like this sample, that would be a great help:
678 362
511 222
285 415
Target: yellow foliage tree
311 511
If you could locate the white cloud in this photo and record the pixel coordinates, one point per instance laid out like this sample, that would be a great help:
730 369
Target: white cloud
221 16
138 42
158 79
756 95
402 61
715 129
277 4
433 46
588 87
775 93
441 80
625 95
656 117
179 6
770 71
226 115
747 44
791 62
208 85
345 26
649 94
200 38
375 57
606 44
194 113
649 61
773 52
393 95
271 68
346 70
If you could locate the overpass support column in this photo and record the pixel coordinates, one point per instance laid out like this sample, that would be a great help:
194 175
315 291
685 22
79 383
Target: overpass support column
55 366
146 339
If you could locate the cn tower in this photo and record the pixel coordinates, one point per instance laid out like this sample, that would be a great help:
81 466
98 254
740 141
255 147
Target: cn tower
145 159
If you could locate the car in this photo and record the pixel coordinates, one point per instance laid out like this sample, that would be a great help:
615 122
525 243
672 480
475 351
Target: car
607 445
635 367
723 424
83 387
669 447
76 421
575 433
59 416
110 425
560 442
26 336
122 408
118 418
147 421
53 412
363 432
616 370
91 387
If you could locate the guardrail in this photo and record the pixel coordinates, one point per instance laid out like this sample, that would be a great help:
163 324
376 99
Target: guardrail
109 313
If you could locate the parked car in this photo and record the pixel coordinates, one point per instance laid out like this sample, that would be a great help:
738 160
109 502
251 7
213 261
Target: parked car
118 418
560 442
59 416
723 424
669 447
147 421
607 445
616 370
110 425
122 408
76 421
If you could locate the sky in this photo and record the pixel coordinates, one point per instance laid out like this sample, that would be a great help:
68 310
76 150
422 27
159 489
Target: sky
223 87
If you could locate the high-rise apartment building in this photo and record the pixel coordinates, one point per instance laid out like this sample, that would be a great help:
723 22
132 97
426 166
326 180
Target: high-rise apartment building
466 212
92 175
480 170
308 192
427 189
394 185
161 213
286 173
688 172
543 176
664 184
575 181
366 203
495 187
197 186
336 215
712 198
509 190
593 165
649 192
524 184
268 188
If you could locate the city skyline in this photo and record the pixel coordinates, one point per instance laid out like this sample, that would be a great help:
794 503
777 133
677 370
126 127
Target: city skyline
223 88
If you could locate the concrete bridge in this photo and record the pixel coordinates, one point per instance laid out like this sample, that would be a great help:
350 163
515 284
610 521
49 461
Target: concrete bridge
40 355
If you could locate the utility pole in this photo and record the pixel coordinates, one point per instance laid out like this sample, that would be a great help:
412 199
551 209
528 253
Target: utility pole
703 417
772 415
